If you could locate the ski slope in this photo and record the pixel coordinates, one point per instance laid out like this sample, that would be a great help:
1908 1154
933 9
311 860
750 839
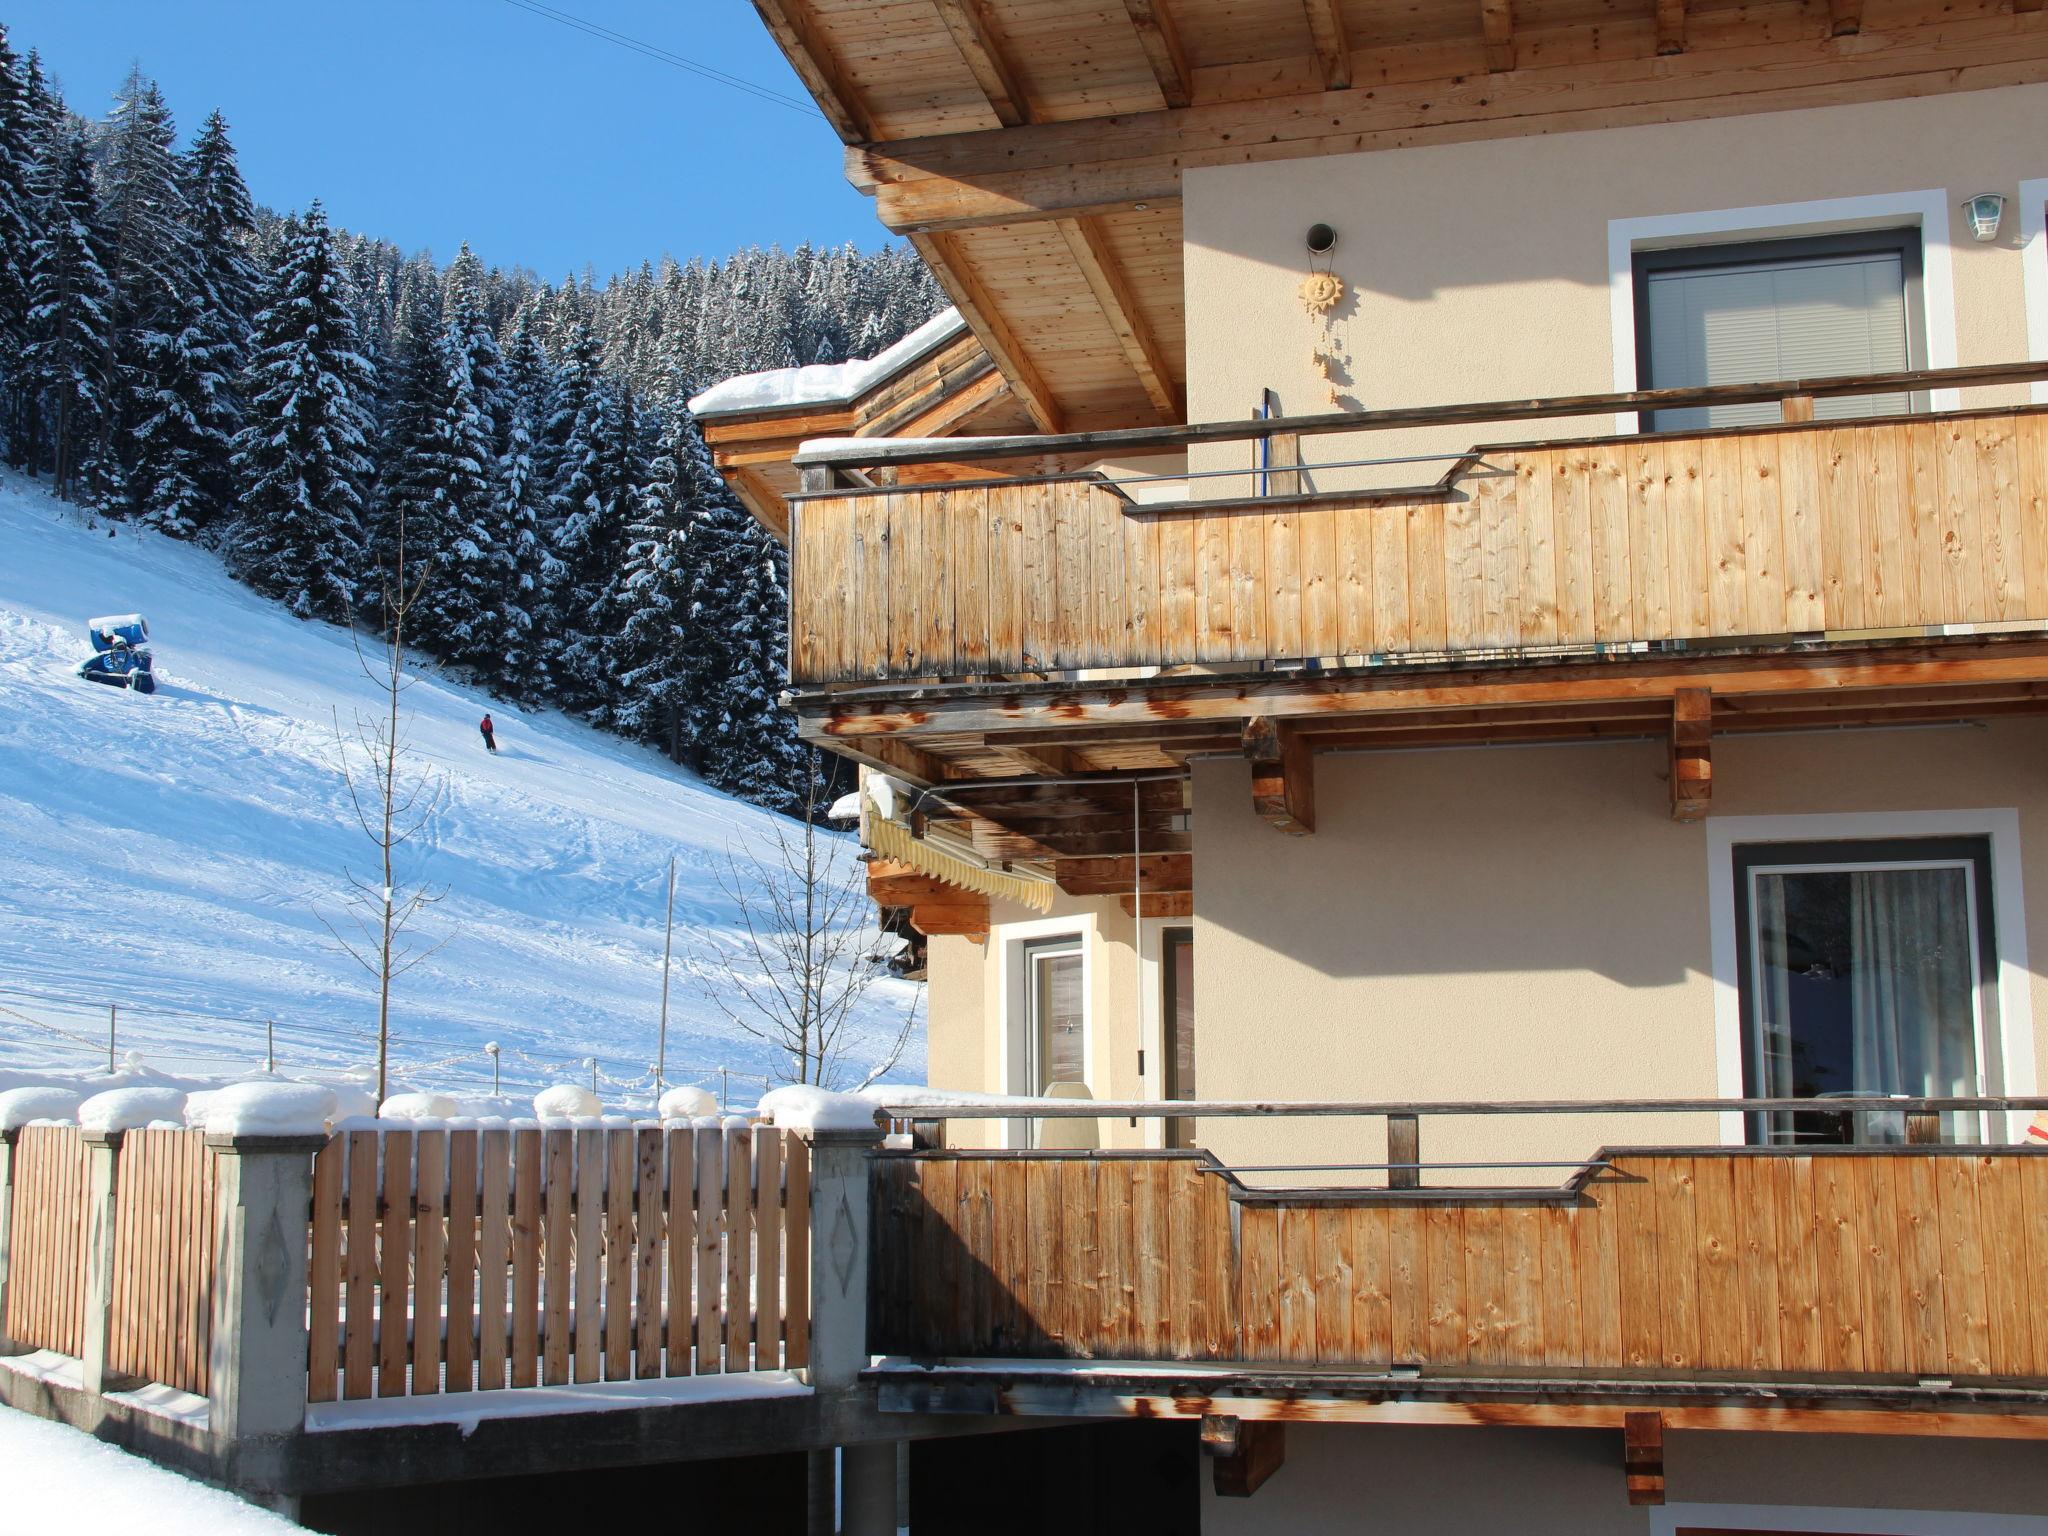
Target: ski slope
171 854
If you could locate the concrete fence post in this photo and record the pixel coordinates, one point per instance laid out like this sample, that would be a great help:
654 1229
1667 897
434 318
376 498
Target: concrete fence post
841 1251
839 1255
258 1361
7 1140
103 1158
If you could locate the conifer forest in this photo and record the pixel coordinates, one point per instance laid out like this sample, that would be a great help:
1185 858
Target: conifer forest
326 410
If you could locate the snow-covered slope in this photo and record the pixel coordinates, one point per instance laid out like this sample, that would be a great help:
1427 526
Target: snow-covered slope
173 852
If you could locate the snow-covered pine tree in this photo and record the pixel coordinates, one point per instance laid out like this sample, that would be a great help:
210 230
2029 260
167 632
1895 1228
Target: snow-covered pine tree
747 744
17 232
461 612
522 670
658 654
223 225
149 433
300 456
70 300
603 486
437 485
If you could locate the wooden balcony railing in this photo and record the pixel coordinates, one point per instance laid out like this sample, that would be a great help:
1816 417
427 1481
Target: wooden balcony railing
1783 530
1751 1264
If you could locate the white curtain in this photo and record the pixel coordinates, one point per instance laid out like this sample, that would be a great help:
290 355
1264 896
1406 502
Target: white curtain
1911 1003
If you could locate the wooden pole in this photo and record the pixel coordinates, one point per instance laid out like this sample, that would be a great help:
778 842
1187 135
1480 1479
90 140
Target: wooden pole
667 944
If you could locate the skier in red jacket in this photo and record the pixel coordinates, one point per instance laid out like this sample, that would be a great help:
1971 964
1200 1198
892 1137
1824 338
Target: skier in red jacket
485 726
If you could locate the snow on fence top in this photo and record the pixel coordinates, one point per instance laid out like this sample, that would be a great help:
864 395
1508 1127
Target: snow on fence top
267 1109
130 1109
25 1106
825 383
801 1107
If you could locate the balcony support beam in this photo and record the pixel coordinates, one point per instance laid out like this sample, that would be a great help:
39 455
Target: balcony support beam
1692 753
1833 674
1642 1439
1283 775
1243 1454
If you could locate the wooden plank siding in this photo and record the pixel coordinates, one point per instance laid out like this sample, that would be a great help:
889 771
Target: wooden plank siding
1756 534
165 1189
1686 1264
46 1251
452 1261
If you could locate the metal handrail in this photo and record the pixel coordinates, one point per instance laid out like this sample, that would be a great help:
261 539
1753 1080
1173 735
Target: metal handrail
881 452
1214 1109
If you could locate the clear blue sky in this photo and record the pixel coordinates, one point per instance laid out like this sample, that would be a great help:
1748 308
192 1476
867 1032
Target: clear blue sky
430 122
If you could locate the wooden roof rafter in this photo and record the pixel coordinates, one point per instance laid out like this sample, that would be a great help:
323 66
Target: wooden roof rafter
1333 49
974 35
791 25
948 260
1160 39
1119 305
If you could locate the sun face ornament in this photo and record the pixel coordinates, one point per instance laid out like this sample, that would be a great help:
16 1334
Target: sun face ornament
1321 293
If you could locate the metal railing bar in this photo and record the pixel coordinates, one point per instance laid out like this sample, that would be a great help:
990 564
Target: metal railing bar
881 452
1154 1109
1561 1162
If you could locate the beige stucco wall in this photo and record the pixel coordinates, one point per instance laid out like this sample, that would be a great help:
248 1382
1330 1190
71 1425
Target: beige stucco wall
1521 923
1546 1482
1480 271
970 998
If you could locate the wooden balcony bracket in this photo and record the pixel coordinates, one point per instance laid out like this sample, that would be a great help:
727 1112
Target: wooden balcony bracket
1643 1457
1692 753
1244 1453
1283 775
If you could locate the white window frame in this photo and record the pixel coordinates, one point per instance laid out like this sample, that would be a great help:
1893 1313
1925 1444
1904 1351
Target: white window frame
1669 1519
1013 983
1925 210
1978 1040
1999 826
2034 272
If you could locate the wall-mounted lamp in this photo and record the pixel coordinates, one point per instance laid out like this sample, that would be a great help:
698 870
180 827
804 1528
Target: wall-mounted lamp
1985 210
1321 239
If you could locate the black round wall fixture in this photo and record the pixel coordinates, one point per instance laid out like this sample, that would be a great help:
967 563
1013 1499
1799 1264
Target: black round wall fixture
1321 239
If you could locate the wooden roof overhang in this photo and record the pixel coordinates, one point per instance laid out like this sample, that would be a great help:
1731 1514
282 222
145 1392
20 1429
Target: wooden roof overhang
954 389
985 750
1033 150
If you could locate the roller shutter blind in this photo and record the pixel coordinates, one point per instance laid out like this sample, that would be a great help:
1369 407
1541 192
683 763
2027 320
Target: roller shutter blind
1721 322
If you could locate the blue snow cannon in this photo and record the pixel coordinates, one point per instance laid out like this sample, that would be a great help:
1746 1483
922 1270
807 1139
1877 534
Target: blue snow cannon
121 655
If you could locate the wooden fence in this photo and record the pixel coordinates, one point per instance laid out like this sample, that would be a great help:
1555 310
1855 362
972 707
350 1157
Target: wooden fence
1756 532
165 1252
1924 1261
453 1260
46 1250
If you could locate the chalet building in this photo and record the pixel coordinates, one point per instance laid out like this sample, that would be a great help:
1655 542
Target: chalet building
1473 573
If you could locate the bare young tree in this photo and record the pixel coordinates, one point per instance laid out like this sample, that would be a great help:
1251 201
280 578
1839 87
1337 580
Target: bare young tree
392 805
806 959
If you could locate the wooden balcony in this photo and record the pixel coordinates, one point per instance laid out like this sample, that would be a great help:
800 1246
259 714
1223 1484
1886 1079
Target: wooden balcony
1751 1283
1799 530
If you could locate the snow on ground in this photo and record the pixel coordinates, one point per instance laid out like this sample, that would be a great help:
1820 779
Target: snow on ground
173 852
61 1479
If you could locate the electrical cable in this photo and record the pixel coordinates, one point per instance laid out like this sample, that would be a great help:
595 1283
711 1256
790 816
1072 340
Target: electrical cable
664 56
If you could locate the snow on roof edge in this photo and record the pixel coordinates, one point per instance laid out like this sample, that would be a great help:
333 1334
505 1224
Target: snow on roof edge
825 383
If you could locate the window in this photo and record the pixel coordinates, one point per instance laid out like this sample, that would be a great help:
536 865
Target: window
1865 970
1056 1024
1779 309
